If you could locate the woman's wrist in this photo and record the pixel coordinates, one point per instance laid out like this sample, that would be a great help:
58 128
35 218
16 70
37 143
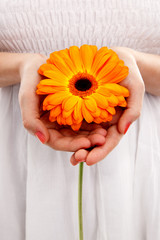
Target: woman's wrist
27 59
149 67
12 66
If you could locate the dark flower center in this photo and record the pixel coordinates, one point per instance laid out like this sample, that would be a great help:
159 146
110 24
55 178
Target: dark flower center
83 84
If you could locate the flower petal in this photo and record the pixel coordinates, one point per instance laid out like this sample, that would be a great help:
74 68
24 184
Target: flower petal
63 120
100 63
122 101
103 91
116 89
76 127
66 114
60 119
65 55
98 120
58 61
51 119
102 50
124 104
56 76
109 117
55 111
77 114
111 110
100 100
113 74
97 113
43 90
101 57
94 49
112 100
86 114
78 121
90 104
108 66
121 76
104 114
46 67
56 98
69 120
70 103
87 55
76 58
48 107
51 82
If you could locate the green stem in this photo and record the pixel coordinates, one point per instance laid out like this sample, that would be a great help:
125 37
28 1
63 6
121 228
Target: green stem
80 201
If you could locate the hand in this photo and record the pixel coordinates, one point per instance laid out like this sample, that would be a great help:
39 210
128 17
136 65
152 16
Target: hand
36 121
97 153
121 122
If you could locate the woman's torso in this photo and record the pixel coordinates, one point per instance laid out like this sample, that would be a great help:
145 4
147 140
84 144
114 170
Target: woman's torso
47 25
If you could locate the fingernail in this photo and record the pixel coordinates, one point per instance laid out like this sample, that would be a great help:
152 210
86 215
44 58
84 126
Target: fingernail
81 161
40 136
127 126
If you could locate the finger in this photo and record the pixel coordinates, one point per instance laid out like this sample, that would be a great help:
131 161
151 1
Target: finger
29 105
100 131
97 136
78 157
96 139
28 99
67 143
134 102
73 160
81 155
67 140
98 153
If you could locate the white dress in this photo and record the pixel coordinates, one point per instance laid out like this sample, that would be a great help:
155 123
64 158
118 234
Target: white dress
38 185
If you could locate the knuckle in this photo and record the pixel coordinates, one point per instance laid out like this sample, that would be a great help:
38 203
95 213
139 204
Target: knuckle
141 86
26 124
137 114
22 96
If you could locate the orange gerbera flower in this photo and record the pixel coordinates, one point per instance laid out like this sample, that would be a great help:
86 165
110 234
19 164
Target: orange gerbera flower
81 83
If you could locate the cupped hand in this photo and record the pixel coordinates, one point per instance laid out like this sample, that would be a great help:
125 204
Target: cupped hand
36 121
121 122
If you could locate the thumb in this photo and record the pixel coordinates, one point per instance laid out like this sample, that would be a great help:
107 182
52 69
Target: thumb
29 105
133 110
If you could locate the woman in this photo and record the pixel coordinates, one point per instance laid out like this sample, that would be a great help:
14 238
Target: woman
38 184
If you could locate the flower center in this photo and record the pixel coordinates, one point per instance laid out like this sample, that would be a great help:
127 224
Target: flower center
82 84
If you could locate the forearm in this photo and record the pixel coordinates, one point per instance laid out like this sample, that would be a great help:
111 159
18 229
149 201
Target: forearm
10 68
149 66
